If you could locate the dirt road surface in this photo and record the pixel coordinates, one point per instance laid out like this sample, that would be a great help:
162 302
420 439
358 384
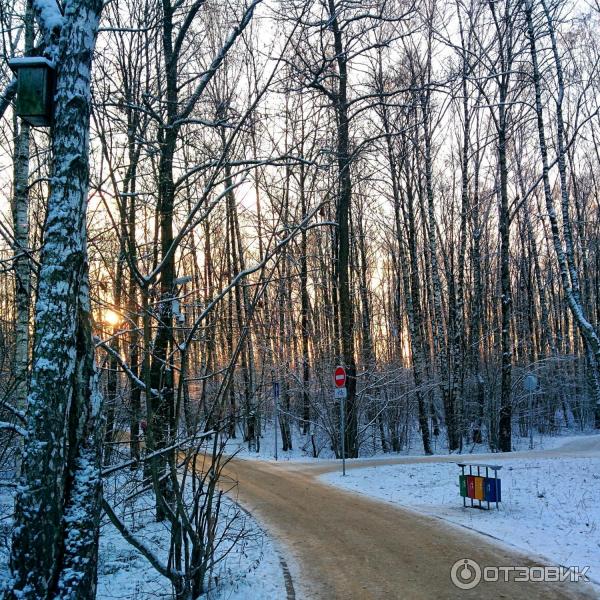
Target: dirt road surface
345 546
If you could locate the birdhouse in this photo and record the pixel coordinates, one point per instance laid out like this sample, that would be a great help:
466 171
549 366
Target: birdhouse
35 89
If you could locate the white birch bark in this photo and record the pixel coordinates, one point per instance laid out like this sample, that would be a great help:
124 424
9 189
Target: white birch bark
21 263
57 506
568 273
20 211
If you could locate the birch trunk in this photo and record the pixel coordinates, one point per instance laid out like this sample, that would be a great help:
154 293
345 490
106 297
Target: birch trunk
57 511
568 273
440 346
21 263
20 211
304 310
409 276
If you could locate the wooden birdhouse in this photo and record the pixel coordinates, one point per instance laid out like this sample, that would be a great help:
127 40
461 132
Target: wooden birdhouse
35 89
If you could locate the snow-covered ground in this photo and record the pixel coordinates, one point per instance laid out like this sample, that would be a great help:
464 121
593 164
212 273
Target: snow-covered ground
550 506
251 569
301 447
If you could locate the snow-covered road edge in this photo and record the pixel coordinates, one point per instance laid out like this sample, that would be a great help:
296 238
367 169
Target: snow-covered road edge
290 591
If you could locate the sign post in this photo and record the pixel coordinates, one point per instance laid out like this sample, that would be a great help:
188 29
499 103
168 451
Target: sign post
276 411
530 383
339 378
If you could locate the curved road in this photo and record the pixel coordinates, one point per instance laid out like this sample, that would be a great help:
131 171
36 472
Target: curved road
348 547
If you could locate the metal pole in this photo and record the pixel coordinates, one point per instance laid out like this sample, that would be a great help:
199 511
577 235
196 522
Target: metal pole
276 400
496 485
531 420
343 433
530 383
471 474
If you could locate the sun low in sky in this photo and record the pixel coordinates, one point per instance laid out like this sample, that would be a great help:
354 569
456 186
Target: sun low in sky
112 318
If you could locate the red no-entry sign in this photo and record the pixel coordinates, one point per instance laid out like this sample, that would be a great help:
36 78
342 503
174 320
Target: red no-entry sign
340 393
339 377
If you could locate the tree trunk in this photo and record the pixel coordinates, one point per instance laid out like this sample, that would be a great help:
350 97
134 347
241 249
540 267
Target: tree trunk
565 256
20 212
343 218
54 550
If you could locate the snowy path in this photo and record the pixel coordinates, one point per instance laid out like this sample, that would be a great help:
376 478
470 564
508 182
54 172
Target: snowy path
347 546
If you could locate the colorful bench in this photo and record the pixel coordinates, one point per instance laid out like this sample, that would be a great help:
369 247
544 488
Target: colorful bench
479 487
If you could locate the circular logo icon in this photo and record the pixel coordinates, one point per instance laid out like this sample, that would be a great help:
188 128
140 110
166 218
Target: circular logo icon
465 574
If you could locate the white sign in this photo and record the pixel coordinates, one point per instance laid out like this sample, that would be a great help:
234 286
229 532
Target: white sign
530 383
340 393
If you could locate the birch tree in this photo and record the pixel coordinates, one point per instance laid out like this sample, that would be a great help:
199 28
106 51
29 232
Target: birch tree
565 252
57 513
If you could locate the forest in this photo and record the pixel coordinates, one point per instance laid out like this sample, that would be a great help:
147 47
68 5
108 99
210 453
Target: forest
232 197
